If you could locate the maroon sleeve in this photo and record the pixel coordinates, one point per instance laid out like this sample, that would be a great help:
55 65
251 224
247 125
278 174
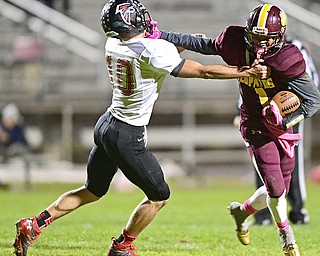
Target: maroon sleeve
287 63
230 45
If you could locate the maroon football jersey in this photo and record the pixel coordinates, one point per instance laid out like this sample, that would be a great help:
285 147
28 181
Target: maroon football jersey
285 64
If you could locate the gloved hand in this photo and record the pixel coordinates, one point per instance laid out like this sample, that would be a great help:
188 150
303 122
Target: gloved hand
153 32
261 51
272 115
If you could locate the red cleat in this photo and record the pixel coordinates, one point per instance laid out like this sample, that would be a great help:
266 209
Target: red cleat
27 233
119 249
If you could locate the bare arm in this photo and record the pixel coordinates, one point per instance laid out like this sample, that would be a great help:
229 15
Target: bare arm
193 69
4 136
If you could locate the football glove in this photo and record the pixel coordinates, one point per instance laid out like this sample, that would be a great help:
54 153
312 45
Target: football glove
261 51
272 115
153 32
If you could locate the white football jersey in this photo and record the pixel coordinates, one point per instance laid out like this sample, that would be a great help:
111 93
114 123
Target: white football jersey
137 69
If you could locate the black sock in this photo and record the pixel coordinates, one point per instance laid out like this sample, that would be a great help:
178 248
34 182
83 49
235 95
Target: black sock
120 238
44 219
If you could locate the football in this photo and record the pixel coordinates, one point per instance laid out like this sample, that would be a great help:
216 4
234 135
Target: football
287 102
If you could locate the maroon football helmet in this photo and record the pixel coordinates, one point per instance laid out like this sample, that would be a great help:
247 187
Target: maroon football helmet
265 21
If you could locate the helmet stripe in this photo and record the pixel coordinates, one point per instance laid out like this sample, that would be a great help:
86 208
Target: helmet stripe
264 15
283 18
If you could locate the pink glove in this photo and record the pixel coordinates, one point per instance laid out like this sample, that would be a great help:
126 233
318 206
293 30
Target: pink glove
272 115
260 53
153 32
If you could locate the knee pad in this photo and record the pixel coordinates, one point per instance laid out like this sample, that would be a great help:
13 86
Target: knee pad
275 184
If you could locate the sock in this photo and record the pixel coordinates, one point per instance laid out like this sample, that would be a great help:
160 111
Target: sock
283 226
126 238
278 208
256 202
44 219
259 199
247 207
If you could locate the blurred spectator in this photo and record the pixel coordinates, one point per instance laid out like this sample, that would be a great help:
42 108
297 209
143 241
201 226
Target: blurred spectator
12 138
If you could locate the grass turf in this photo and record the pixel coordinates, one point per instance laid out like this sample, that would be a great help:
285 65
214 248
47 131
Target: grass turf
195 222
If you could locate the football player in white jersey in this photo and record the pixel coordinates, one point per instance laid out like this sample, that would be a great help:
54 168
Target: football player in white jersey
137 67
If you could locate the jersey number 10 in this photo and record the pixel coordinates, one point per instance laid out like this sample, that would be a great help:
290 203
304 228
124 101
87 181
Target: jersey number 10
123 78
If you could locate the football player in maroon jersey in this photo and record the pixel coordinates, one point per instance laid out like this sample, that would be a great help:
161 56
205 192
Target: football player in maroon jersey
270 140
297 195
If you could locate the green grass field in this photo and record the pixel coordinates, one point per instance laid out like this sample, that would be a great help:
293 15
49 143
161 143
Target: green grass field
195 222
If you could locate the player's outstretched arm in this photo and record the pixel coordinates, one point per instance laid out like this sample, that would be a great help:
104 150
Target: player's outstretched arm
193 69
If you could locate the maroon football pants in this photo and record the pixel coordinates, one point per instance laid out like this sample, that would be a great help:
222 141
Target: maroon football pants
273 165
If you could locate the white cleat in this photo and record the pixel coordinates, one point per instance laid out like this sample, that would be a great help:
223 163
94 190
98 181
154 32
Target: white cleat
288 243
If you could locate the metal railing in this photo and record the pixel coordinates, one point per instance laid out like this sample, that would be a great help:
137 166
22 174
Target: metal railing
54 26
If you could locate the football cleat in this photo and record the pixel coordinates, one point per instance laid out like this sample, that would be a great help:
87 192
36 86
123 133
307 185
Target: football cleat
120 249
28 232
262 222
299 217
262 218
242 228
291 250
288 243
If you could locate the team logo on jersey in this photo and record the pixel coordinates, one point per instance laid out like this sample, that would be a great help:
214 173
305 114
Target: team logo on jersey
257 83
125 10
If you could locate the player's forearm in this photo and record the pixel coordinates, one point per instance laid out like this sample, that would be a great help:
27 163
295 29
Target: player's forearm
220 72
193 69
190 42
229 72
308 93
310 101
